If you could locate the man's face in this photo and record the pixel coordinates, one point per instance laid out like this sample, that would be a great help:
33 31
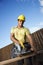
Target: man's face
20 23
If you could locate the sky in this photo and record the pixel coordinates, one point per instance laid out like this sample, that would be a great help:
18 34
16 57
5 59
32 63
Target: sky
11 9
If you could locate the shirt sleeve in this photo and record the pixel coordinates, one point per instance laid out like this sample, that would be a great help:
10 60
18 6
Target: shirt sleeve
12 30
27 31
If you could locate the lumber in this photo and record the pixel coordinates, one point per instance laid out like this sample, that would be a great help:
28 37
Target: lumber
16 59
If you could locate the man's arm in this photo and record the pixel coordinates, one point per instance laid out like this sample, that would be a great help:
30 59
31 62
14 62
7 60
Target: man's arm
13 39
31 41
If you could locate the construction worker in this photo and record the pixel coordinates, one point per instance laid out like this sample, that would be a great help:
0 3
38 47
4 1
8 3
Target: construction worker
18 36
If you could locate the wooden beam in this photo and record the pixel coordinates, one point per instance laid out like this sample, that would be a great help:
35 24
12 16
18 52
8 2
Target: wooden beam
20 58
16 59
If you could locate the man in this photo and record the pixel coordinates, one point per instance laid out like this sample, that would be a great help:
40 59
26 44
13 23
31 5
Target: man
18 36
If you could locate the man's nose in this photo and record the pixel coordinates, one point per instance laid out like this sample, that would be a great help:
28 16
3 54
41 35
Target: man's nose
21 22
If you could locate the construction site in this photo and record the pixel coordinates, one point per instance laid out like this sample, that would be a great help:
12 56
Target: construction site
37 58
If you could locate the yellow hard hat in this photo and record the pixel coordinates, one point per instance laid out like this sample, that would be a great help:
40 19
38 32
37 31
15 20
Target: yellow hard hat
21 17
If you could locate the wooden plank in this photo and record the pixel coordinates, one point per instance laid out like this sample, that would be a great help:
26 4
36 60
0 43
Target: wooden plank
20 58
38 39
16 59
